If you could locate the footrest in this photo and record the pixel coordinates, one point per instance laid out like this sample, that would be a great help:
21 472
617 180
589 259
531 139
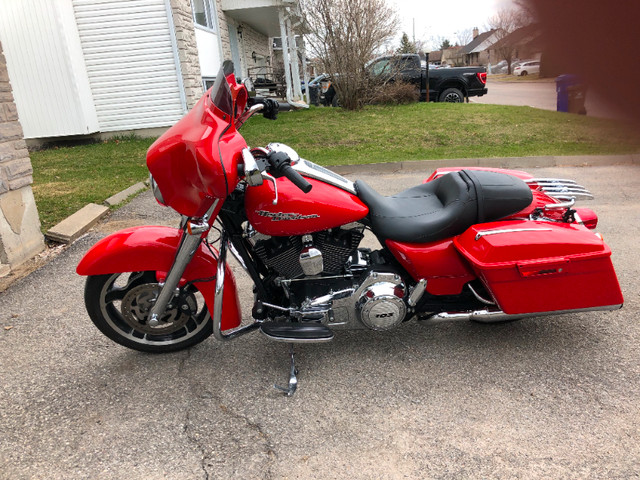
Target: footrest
296 332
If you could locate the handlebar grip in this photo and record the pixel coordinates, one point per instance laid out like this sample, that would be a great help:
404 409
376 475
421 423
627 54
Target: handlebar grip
297 179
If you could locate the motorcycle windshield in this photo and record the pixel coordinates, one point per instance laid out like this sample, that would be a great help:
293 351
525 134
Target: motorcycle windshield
221 92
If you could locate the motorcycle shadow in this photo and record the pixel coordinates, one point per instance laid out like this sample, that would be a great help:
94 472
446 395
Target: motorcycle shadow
413 355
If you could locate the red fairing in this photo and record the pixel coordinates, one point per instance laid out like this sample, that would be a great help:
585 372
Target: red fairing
195 161
296 213
531 266
439 263
153 248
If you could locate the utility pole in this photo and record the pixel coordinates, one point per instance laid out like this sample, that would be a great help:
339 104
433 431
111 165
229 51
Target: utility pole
414 31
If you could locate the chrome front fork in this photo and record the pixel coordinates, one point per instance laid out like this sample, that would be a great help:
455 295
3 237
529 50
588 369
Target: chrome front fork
192 237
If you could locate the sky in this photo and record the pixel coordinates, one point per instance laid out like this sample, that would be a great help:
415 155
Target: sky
438 18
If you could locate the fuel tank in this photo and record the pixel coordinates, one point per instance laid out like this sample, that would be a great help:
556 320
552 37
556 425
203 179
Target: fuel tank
296 213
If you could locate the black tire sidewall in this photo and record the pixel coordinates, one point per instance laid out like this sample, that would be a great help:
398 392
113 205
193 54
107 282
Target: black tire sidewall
448 91
92 292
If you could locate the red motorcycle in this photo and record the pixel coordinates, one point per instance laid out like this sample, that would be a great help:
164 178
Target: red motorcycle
467 244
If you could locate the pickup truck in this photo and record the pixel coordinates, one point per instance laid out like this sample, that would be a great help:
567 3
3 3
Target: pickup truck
436 85
444 84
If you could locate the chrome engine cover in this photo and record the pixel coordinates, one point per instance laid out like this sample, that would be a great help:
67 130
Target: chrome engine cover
382 306
378 302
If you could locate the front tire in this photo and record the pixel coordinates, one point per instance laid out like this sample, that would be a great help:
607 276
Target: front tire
452 95
119 305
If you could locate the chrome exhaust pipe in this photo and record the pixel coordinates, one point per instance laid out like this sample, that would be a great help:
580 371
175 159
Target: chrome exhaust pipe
482 316
495 316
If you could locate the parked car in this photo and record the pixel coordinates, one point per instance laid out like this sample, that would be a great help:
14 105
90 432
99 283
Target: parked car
316 81
525 68
500 67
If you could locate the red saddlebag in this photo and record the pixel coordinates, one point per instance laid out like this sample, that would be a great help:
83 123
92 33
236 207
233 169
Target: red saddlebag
541 267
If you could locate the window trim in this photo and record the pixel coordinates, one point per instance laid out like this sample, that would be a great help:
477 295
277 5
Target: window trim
210 16
207 79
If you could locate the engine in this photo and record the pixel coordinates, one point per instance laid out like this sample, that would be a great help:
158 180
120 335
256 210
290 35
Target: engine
381 306
323 252
327 279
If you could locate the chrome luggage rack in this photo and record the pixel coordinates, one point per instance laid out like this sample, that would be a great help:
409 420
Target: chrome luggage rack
561 188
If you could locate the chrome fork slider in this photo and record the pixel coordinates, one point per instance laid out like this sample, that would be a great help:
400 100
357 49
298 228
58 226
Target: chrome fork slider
190 242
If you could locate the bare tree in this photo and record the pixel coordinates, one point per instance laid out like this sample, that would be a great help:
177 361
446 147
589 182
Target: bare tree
345 35
505 22
464 36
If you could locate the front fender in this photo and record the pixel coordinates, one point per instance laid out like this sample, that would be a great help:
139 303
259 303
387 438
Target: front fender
153 249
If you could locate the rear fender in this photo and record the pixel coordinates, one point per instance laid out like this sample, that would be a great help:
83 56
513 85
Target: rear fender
153 249
442 171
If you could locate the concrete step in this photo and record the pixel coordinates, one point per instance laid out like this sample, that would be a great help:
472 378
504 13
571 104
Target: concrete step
77 224
123 195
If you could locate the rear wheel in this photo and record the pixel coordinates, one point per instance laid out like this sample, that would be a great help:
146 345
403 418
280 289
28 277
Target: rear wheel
452 95
119 305
524 73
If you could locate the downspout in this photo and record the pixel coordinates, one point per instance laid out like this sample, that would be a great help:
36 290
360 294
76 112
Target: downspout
176 56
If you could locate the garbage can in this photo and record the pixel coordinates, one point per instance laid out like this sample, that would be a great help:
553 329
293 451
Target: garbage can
571 94
313 94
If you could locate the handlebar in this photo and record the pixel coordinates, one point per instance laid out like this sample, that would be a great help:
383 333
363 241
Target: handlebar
270 107
297 179
281 166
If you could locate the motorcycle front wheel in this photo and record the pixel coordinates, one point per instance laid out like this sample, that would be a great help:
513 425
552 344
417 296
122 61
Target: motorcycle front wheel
119 305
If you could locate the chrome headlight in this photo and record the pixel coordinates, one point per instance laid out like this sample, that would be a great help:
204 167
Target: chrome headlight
156 190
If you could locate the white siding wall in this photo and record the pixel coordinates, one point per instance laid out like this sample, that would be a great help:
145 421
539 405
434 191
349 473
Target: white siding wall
130 57
46 69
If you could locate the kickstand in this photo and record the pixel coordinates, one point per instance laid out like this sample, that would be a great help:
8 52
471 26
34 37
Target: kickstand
293 379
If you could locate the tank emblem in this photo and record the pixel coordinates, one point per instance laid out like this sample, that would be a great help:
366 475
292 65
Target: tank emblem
278 216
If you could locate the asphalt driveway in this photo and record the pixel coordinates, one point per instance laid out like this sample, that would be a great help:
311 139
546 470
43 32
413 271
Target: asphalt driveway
539 94
553 397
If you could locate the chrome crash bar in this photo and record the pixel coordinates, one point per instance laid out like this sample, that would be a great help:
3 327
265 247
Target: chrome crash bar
219 293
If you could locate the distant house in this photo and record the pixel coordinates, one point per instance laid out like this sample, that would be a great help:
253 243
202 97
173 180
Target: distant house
476 52
80 67
449 55
525 43
435 58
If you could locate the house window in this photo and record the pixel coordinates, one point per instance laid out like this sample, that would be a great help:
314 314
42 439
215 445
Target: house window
207 82
203 13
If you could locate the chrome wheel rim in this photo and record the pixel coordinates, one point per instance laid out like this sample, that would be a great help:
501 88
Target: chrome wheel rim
126 300
452 98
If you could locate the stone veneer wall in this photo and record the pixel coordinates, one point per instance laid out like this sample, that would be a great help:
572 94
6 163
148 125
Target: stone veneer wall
251 41
20 235
187 50
223 34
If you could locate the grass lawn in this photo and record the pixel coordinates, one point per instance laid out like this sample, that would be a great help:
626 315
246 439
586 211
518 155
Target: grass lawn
65 179
424 131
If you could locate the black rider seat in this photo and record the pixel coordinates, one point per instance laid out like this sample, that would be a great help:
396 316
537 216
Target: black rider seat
444 207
